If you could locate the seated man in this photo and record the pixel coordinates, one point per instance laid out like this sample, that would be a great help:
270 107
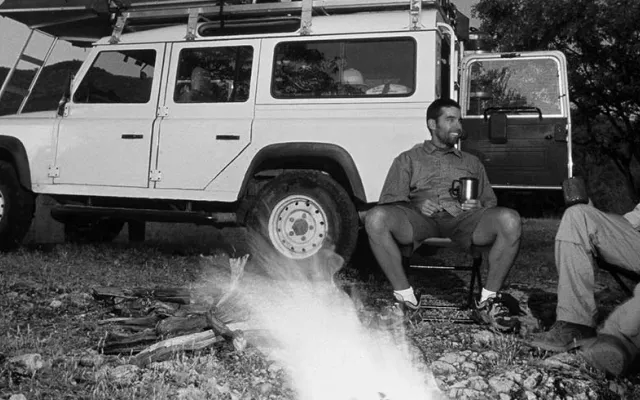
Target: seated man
415 204
584 232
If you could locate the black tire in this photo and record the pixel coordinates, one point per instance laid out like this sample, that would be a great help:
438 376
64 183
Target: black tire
92 231
299 213
17 206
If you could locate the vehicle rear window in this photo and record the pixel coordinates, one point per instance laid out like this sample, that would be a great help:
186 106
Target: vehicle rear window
344 68
514 83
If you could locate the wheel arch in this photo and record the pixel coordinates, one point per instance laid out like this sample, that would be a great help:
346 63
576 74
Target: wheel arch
330 158
12 150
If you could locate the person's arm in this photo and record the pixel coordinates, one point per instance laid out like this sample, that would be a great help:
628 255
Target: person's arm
396 185
485 192
633 217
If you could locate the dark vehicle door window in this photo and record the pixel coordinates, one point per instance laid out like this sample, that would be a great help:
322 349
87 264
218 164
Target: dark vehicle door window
123 76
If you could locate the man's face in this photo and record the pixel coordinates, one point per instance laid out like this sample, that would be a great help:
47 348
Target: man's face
447 129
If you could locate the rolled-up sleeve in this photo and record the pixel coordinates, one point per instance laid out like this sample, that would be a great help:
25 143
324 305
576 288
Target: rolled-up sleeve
486 196
397 184
633 217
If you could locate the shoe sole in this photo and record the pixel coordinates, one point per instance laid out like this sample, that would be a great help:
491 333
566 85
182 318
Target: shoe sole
561 349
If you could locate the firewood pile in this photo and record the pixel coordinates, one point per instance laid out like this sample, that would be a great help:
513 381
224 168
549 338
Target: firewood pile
154 324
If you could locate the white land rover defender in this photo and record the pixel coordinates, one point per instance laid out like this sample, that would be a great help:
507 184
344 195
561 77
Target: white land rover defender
283 116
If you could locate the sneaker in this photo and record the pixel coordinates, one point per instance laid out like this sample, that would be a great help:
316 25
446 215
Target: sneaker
404 304
564 336
609 354
493 312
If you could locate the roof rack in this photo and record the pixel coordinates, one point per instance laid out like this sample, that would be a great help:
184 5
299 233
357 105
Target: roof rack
84 21
193 11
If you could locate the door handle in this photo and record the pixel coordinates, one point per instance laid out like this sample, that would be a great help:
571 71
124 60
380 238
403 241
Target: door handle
227 137
132 136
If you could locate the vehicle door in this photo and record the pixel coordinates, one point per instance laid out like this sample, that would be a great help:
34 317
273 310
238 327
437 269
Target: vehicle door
209 111
516 116
104 137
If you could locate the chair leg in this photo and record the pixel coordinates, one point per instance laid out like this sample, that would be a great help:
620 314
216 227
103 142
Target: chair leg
475 276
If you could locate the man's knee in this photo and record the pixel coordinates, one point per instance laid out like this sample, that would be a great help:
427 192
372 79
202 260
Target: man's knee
375 221
510 223
577 215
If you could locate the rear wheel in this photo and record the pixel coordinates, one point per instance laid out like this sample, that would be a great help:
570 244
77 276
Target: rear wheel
17 206
300 213
92 231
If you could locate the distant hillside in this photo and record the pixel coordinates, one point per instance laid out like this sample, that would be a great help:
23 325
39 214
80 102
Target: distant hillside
48 90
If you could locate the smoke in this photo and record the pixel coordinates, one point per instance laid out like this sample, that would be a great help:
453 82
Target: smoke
320 338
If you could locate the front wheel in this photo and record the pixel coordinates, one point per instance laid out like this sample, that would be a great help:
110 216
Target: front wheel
17 206
301 213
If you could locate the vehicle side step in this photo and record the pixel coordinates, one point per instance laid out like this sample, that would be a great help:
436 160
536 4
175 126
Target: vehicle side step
65 212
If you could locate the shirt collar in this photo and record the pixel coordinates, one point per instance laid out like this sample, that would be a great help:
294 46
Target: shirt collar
431 148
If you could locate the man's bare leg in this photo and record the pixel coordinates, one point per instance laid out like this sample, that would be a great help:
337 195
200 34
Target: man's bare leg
501 228
388 227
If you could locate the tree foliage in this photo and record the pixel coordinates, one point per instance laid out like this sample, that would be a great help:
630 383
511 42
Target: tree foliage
601 40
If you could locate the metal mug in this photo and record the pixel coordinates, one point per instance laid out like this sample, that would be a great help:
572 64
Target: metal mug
574 191
464 189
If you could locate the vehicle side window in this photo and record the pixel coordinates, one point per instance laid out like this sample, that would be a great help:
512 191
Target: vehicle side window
121 76
344 68
214 75
514 84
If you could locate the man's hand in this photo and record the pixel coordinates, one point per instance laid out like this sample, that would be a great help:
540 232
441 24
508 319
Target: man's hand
471 204
429 207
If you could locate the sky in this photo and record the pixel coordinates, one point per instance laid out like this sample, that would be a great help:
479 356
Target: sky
13 36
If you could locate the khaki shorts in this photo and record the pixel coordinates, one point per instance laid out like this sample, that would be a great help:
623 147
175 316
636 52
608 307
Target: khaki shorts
442 224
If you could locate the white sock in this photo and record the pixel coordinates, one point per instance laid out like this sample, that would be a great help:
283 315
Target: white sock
405 295
486 294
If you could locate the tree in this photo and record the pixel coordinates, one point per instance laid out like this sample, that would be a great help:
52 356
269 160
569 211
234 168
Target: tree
601 40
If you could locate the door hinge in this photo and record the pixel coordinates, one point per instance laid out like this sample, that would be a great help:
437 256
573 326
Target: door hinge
163 111
54 171
155 175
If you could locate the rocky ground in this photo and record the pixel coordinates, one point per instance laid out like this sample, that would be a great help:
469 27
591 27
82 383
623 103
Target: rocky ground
50 330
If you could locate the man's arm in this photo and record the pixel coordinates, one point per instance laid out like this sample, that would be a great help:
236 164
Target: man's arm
397 184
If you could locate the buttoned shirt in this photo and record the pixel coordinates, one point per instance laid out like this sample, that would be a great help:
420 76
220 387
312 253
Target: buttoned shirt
427 172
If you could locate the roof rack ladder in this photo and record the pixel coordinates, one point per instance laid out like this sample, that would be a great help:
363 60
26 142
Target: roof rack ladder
26 93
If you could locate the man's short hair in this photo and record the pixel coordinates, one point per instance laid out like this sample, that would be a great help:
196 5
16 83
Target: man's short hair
435 108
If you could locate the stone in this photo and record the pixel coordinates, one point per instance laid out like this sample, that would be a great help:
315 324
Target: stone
532 380
504 396
452 358
442 368
26 364
484 337
530 395
465 393
490 355
18 396
502 384
55 304
469 366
